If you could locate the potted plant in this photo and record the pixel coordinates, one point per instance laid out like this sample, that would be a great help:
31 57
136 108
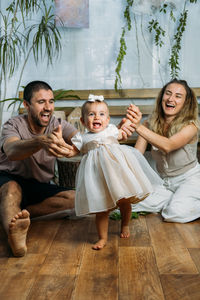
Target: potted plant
21 36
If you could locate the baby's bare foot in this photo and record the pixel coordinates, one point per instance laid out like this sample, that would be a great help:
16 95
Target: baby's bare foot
18 228
99 245
125 232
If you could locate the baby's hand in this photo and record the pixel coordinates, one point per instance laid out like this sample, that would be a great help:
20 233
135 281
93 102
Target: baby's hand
125 129
126 123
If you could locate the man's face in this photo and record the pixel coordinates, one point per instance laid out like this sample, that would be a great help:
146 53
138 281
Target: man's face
40 109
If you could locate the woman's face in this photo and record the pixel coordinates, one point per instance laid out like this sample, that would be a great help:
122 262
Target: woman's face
173 99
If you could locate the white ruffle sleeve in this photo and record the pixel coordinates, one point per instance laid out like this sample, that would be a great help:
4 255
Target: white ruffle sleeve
77 140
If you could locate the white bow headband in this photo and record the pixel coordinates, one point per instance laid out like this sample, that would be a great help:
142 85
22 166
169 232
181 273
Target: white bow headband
93 98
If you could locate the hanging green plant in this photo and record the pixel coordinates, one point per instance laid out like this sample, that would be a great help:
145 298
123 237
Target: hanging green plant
159 34
21 35
120 58
176 48
123 47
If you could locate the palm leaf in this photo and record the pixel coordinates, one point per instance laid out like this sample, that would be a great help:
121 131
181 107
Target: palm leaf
64 94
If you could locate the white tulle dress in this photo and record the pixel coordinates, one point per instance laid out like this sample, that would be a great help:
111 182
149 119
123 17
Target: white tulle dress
109 172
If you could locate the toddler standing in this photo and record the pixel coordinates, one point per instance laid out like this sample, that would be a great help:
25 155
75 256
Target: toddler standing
110 175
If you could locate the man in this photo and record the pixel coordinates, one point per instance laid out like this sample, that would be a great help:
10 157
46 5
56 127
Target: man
29 146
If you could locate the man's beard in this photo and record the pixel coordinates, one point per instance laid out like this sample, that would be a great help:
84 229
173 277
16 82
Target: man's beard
37 121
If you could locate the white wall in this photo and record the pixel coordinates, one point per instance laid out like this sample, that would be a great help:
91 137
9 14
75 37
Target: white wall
88 59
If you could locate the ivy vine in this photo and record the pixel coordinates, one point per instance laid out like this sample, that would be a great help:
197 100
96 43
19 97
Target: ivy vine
123 47
154 25
120 58
159 35
176 48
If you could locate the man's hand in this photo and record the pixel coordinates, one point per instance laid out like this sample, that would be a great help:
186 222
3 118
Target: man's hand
55 144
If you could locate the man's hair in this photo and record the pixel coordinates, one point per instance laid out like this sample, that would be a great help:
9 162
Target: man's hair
34 86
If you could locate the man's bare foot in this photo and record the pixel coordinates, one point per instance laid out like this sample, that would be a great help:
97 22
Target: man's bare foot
18 228
125 232
99 245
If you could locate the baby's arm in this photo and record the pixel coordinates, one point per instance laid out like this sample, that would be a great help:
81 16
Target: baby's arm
125 124
73 152
120 135
77 143
70 151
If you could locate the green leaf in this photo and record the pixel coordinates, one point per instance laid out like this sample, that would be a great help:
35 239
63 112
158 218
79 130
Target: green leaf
64 94
115 215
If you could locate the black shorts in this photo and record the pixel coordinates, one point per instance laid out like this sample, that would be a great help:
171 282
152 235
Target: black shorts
33 191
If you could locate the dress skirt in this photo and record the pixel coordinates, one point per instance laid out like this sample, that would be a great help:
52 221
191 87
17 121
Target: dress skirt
110 172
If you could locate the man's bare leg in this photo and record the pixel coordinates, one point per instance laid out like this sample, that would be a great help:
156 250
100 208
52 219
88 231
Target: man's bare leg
61 201
125 209
14 221
102 229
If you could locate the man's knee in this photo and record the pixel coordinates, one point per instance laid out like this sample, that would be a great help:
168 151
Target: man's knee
10 188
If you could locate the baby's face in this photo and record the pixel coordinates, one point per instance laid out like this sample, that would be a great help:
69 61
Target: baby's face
96 117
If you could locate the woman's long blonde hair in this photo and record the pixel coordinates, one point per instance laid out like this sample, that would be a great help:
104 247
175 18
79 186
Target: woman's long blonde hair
187 115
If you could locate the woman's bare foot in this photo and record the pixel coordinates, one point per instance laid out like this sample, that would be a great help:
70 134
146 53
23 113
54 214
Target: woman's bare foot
100 244
18 228
125 232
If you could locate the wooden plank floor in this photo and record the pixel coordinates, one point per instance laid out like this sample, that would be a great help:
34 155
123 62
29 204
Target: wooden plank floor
160 261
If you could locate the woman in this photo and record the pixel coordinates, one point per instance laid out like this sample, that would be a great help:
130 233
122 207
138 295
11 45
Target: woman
172 131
